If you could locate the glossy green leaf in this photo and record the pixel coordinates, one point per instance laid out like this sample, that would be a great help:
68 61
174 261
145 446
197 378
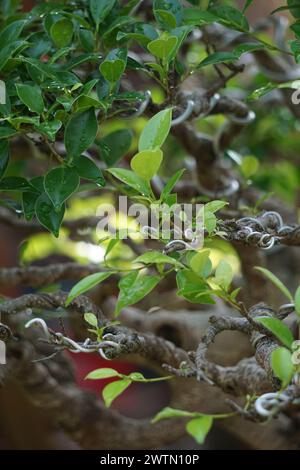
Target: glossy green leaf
147 163
61 32
133 288
14 183
198 428
29 199
170 184
115 145
88 169
278 328
113 390
113 67
283 368
47 215
131 179
31 96
156 130
86 284
168 13
60 183
81 131
279 284
100 9
50 128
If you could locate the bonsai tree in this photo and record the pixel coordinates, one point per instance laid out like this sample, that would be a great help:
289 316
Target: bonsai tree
159 104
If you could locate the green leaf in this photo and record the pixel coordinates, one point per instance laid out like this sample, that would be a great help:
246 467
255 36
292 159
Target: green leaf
100 9
14 183
168 13
170 184
115 145
6 132
294 7
215 206
156 257
147 163
297 301
47 215
197 17
114 65
50 128
31 96
81 132
224 274
91 319
28 201
156 130
11 32
275 281
133 288
249 166
9 50
193 288
201 263
4 157
231 17
61 32
279 329
131 179
60 183
247 5
88 170
198 428
104 373
86 284
113 390
168 412
162 47
281 360
217 58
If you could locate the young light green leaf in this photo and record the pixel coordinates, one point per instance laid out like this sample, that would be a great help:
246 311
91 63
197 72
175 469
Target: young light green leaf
86 284
156 130
47 215
133 288
81 131
60 183
104 373
156 257
281 360
215 206
147 163
276 282
113 390
201 263
162 47
131 179
91 319
224 274
170 184
198 428
31 96
297 301
279 329
249 166
168 412
114 65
